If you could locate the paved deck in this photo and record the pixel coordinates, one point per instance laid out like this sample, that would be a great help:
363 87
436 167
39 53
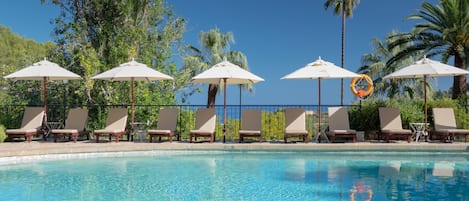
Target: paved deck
35 148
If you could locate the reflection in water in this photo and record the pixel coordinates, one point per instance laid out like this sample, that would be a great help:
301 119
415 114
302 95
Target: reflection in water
390 168
295 169
443 169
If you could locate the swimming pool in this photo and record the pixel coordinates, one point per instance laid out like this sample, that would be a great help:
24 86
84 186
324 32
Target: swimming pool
243 175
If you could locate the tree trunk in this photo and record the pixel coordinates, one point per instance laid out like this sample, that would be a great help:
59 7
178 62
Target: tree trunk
212 94
343 57
459 82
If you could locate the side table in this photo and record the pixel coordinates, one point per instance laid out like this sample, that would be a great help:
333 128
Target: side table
419 130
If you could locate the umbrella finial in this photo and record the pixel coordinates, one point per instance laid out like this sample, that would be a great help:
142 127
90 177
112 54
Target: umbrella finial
319 58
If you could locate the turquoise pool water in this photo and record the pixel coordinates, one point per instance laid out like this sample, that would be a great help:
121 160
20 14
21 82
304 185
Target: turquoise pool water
243 176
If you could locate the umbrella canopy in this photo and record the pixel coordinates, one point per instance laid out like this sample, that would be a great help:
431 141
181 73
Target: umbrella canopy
132 71
227 73
319 70
233 74
43 70
426 68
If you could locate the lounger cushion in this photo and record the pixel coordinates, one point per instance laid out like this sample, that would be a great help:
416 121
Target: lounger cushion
250 132
64 131
201 131
107 131
455 131
343 131
160 131
395 131
20 131
296 131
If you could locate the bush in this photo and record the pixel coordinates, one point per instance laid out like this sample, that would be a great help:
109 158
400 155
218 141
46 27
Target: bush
3 135
365 117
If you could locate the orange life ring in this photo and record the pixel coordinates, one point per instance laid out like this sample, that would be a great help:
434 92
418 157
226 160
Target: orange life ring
358 89
359 189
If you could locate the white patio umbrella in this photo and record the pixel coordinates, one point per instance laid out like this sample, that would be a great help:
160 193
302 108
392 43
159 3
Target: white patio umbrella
426 68
132 71
319 70
228 73
43 70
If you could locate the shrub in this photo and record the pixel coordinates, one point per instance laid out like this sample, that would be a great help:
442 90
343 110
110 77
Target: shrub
3 135
365 117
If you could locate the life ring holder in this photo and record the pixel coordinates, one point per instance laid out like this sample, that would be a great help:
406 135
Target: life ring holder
358 89
363 189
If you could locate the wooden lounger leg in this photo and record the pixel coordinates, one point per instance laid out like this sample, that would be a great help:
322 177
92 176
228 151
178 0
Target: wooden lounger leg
75 137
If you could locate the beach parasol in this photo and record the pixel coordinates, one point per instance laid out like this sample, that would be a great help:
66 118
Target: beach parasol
132 71
227 73
43 70
426 68
319 70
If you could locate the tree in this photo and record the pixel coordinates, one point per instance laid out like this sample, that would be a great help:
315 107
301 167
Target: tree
444 32
215 47
17 52
344 8
94 36
375 65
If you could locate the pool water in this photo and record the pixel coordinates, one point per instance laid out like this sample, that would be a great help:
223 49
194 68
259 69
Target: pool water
243 176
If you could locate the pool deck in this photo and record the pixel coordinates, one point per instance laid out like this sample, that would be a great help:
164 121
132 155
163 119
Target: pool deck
35 148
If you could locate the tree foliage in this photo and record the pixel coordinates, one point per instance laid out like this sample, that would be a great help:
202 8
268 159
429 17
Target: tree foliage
94 36
17 52
376 66
443 31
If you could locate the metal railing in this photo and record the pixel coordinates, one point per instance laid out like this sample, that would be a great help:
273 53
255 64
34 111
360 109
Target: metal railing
273 118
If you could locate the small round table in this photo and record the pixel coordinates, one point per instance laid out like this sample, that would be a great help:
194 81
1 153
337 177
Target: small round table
419 130
139 131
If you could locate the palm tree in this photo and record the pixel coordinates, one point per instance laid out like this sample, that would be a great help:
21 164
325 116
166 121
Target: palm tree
344 8
375 66
215 48
444 32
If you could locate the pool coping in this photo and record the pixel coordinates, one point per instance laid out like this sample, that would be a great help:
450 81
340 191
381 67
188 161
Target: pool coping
11 149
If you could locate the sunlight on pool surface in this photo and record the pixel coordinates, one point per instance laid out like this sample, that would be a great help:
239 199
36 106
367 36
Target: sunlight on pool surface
243 176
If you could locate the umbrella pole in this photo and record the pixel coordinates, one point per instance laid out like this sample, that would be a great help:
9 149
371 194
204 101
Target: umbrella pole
319 107
425 101
239 123
44 101
132 103
224 109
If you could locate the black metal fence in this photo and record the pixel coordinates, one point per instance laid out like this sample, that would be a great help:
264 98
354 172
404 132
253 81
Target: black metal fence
273 118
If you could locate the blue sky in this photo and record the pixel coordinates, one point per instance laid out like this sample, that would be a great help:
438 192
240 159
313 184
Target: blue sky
278 37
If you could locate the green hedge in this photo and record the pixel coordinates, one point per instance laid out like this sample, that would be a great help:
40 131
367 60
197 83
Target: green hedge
365 117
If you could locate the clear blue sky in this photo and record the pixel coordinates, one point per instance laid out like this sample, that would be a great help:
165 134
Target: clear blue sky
278 37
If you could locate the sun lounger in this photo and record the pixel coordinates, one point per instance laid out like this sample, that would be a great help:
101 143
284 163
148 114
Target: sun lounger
445 125
115 124
339 125
205 120
30 125
391 125
251 125
167 123
295 124
75 125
